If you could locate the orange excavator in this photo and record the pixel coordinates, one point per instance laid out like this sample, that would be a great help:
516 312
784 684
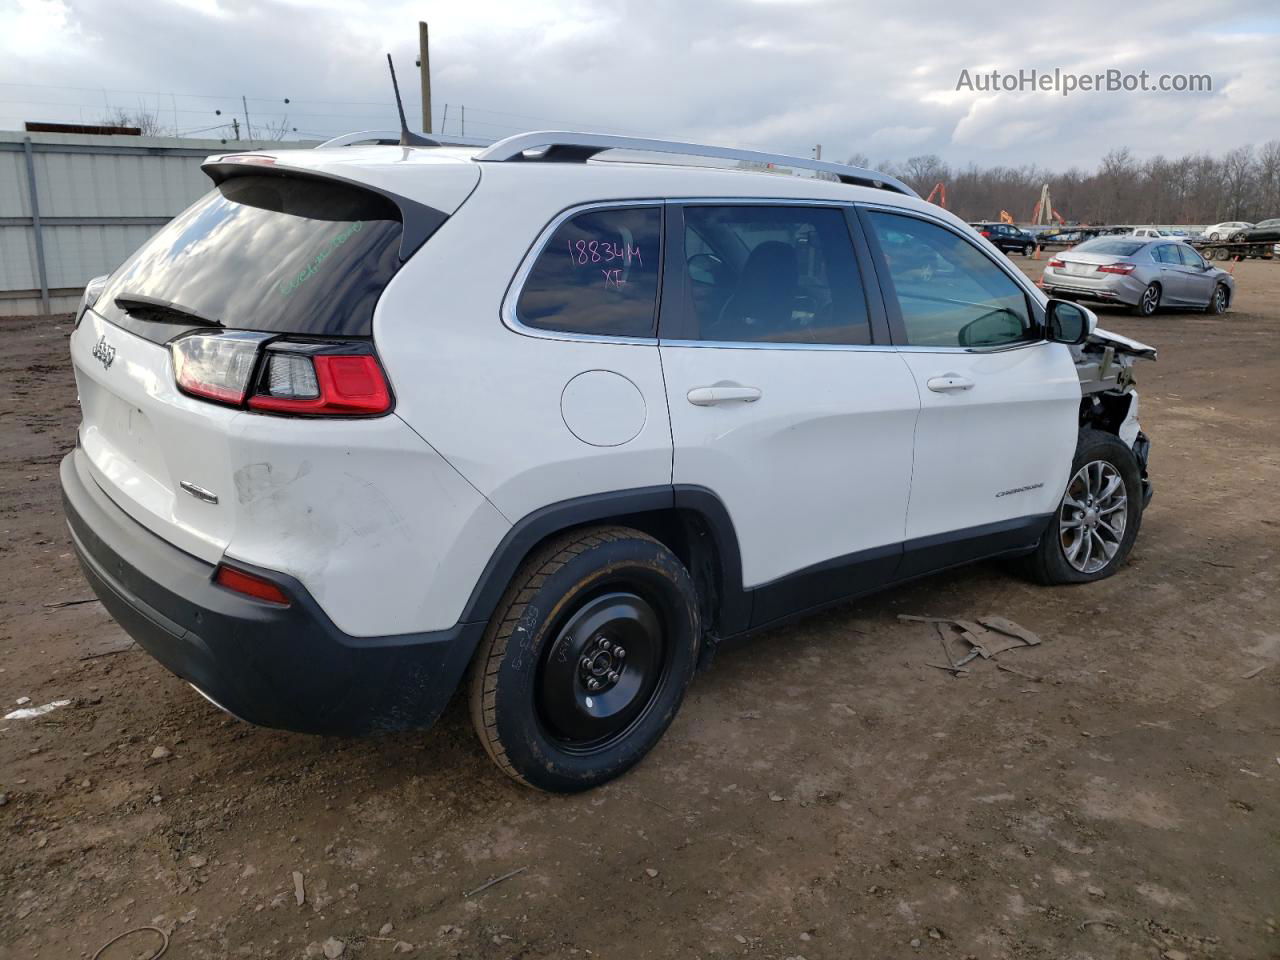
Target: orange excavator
940 191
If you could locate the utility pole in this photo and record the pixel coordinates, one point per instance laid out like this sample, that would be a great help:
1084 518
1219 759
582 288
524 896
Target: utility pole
464 120
248 127
424 64
235 127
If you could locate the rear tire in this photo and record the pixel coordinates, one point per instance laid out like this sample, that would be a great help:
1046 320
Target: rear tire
1098 517
1149 302
554 702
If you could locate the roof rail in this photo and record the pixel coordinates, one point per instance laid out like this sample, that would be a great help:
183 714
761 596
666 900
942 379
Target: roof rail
564 147
393 137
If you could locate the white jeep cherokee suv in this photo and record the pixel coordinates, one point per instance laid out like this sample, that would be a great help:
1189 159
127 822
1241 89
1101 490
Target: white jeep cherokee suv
367 420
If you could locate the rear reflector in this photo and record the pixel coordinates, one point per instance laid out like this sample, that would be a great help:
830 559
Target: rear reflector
249 585
1121 268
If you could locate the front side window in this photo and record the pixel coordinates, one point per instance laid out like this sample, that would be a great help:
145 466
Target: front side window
766 273
1190 258
948 292
598 274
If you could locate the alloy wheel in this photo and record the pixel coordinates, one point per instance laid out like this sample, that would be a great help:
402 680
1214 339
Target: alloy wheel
1150 299
1093 516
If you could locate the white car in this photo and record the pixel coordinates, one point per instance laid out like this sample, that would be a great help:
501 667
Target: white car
1155 233
365 420
1225 230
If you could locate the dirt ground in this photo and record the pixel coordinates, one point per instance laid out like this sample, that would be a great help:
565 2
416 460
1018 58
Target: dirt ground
822 794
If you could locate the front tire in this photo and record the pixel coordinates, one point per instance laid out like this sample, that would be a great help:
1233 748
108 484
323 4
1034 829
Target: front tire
1097 520
1149 302
586 659
1219 301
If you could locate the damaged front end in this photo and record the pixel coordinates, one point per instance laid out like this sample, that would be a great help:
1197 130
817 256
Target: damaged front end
1104 363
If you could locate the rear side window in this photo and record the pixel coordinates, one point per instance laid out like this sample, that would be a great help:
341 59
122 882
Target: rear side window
272 253
949 293
1167 253
598 275
773 274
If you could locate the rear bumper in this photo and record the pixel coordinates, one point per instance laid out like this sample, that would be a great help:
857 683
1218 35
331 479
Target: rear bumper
287 667
1112 289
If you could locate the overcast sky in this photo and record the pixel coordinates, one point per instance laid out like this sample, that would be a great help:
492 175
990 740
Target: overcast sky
781 75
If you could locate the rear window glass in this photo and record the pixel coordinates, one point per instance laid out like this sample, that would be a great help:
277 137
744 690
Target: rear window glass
598 274
273 253
1113 248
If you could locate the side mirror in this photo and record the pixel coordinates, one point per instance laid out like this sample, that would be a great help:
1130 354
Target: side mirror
1068 322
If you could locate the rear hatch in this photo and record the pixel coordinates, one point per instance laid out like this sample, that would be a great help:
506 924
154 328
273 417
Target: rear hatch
270 260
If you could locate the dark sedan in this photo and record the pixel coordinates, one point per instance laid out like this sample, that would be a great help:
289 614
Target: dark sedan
1268 231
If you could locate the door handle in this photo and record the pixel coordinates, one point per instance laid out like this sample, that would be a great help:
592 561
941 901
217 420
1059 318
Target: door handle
949 383
722 393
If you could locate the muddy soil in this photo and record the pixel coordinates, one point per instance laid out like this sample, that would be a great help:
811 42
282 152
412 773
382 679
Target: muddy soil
823 793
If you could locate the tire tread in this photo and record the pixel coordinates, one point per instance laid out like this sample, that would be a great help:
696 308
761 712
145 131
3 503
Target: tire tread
493 647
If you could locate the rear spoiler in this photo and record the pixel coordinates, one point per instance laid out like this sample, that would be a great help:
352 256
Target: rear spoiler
418 221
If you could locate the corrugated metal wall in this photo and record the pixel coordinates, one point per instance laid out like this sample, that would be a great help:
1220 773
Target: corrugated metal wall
98 198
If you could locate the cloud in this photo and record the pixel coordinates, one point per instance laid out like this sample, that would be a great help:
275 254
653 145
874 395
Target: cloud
780 76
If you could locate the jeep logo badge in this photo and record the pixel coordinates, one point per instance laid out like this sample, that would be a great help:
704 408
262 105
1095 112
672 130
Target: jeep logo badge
104 352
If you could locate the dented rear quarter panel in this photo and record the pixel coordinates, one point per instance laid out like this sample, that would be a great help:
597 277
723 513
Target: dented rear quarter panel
386 536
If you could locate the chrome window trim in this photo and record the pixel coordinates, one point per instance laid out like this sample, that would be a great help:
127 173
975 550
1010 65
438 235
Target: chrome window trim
766 345
516 286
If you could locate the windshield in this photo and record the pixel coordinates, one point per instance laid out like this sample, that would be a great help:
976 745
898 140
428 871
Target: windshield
273 253
1109 247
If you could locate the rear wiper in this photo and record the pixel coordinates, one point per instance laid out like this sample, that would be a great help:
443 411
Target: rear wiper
161 311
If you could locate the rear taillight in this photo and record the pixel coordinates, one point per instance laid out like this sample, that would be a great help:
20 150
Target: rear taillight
216 366
92 290
324 385
984 233
251 586
1055 263
1121 268
297 378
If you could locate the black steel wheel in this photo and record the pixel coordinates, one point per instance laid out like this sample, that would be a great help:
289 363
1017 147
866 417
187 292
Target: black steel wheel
601 671
586 659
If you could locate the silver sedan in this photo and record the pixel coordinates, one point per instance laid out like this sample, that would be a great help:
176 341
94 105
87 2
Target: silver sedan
1145 274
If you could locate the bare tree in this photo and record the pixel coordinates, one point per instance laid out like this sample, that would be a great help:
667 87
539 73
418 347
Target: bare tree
273 129
1238 181
147 121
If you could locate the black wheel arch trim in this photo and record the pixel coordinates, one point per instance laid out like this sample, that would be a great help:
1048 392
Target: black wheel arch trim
616 507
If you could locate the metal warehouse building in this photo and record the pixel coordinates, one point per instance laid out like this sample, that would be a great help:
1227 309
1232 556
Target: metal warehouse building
73 206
